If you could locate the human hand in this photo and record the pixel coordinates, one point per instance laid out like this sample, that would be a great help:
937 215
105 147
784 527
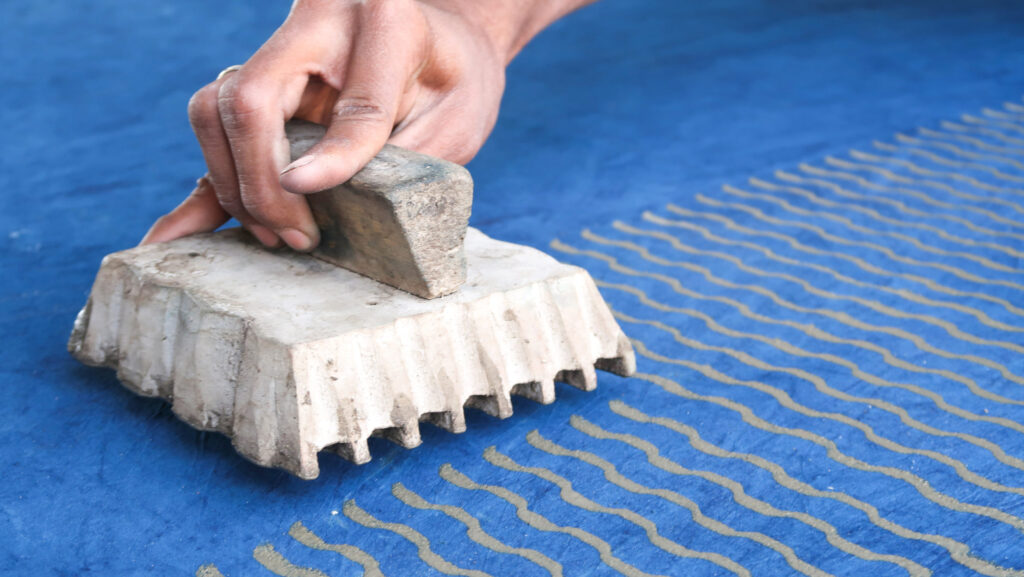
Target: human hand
427 75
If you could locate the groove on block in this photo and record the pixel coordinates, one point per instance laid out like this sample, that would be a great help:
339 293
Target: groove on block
290 356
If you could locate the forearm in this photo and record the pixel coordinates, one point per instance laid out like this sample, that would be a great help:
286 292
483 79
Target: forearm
511 24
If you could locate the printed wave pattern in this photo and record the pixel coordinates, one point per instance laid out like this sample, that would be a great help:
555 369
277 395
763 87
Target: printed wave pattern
830 383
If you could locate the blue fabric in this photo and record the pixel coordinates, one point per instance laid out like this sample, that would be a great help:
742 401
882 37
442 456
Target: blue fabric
865 375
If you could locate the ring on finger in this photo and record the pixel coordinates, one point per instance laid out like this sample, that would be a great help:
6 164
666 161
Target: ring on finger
228 70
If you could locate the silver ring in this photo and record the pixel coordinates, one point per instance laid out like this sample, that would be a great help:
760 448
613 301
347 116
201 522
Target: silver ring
228 70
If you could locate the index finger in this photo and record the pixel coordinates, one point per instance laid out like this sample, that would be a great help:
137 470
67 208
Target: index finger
388 50
253 106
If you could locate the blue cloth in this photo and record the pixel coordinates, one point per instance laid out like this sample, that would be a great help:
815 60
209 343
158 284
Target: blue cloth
849 353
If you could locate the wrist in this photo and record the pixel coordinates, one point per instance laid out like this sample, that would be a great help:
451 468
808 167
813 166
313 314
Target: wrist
510 24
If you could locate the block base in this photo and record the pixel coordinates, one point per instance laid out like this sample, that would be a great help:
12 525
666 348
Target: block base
288 355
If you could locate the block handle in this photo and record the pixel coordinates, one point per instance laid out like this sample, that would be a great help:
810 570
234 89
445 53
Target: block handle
401 220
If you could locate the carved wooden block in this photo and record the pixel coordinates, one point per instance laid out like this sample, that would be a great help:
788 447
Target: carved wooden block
289 355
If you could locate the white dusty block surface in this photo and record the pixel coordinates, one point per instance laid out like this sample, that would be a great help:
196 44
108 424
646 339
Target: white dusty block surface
289 355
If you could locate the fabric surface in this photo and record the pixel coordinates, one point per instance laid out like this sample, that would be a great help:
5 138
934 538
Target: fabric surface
817 254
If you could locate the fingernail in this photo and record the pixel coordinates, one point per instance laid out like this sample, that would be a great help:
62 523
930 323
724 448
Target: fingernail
265 236
297 239
298 164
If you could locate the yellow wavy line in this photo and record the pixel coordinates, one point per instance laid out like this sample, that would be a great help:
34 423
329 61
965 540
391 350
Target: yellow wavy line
820 385
982 130
992 123
957 151
942 160
474 531
770 254
861 181
787 401
803 193
838 316
742 498
917 169
1000 115
1013 107
898 205
577 499
305 536
958 551
857 261
541 523
917 483
612 475
208 570
888 252
975 142
277 564
807 329
422 543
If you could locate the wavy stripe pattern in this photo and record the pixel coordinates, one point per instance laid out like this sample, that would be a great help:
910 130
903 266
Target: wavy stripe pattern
919 484
613 476
422 543
1000 124
977 143
958 151
811 330
995 135
917 193
908 295
277 564
877 216
840 317
960 552
576 499
542 523
475 531
302 534
208 570
739 494
857 261
760 215
819 383
943 160
932 173
848 223
832 363
892 245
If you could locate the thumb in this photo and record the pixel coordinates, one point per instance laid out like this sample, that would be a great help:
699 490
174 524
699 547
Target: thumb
383 60
200 212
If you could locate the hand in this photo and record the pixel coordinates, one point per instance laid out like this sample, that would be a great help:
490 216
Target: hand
427 75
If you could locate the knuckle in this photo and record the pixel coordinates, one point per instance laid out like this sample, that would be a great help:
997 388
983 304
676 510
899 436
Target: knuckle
360 109
202 107
462 147
460 150
463 155
238 101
